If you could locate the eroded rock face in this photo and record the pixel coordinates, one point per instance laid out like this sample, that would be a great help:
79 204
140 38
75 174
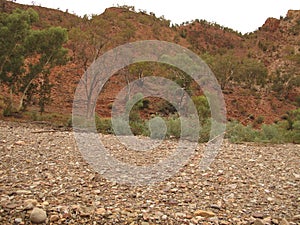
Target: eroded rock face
293 14
271 25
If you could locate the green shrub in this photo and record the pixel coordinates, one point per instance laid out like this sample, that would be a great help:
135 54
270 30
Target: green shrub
202 107
173 127
281 132
294 115
34 116
189 128
204 134
296 132
134 115
135 103
273 134
138 128
69 122
259 120
238 133
157 128
287 130
103 125
284 124
119 126
7 111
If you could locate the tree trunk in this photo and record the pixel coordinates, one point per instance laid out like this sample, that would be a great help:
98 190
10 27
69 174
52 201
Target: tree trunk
23 96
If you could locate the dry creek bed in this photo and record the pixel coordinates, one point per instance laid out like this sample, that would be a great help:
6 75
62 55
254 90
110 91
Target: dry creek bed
44 179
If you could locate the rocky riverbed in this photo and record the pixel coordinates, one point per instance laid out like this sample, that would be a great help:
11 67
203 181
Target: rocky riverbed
44 179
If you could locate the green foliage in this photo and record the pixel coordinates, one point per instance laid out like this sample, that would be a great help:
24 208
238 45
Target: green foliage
119 123
8 110
296 132
176 125
138 127
295 58
173 127
181 77
157 128
183 33
252 72
284 131
205 129
141 69
103 125
287 130
135 104
272 133
14 29
238 133
230 70
294 115
224 67
19 42
202 107
259 120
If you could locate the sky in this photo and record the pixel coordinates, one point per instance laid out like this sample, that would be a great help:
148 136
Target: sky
241 15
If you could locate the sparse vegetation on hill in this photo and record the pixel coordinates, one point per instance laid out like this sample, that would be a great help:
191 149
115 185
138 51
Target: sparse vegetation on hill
259 72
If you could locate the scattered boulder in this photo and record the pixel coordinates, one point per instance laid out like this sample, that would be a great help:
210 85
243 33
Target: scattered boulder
38 216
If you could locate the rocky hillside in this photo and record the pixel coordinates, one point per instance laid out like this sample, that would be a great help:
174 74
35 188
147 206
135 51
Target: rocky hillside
276 44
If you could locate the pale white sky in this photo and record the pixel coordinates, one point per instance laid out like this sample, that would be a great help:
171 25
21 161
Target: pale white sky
241 15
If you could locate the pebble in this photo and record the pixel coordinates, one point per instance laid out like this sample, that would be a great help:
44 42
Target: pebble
33 174
100 211
296 218
164 217
38 216
23 192
18 220
54 218
258 222
223 222
215 207
45 203
30 204
258 215
284 222
180 215
21 143
204 213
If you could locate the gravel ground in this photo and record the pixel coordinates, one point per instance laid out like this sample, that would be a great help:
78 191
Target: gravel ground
44 179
